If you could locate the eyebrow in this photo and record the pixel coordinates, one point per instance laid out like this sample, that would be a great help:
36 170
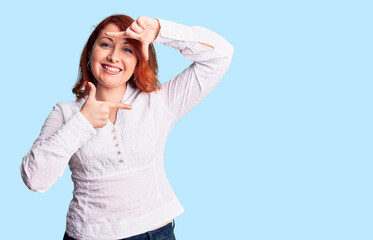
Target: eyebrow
112 39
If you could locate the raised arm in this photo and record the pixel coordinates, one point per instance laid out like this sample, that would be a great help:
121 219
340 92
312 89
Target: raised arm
50 153
211 55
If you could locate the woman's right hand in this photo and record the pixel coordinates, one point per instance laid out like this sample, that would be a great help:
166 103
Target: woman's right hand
97 112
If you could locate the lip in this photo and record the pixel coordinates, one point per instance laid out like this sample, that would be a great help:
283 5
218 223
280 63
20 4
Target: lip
110 72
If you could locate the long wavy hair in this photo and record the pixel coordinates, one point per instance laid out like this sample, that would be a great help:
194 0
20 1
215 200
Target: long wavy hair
145 73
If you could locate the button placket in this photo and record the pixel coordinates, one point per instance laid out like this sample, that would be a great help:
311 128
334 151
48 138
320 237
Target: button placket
119 153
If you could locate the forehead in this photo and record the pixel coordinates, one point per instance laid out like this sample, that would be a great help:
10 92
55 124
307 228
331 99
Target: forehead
111 27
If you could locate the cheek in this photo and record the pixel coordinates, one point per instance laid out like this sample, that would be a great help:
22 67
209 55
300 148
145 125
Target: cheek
131 62
93 61
94 64
95 56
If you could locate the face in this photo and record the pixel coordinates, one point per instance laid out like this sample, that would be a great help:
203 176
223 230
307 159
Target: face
112 60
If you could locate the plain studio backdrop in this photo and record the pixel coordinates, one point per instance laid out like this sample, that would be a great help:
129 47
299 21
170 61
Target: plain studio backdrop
280 149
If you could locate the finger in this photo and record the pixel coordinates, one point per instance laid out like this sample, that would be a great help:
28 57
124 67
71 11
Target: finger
92 91
141 21
136 28
118 105
131 34
145 50
116 34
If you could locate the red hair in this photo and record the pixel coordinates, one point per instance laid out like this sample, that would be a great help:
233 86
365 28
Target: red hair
145 74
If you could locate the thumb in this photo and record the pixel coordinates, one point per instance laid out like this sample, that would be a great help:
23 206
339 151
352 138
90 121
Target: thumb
92 91
145 50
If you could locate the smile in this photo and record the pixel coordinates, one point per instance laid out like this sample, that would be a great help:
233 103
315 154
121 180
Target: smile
111 69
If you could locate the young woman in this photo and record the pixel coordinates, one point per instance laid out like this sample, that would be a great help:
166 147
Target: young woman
113 135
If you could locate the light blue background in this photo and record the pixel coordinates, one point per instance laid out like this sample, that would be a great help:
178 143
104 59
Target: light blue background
281 149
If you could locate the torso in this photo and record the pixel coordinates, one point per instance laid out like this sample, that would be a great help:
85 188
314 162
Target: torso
112 118
161 225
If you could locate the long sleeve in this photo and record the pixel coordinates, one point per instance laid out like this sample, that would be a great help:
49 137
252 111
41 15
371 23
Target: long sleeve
187 89
50 153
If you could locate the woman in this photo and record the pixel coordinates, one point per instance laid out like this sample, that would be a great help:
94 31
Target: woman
113 135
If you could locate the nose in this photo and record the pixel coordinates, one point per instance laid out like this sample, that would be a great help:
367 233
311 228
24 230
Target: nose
113 55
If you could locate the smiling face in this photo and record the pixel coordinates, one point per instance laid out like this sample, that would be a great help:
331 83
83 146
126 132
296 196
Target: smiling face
112 60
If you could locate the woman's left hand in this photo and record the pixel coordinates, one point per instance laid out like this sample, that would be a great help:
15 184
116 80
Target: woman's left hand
144 29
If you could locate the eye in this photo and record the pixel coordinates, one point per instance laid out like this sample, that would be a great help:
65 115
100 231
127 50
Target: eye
128 50
105 45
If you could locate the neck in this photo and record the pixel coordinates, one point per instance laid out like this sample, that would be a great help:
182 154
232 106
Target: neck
110 94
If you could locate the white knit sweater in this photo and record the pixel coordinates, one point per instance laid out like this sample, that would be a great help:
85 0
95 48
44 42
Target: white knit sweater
120 185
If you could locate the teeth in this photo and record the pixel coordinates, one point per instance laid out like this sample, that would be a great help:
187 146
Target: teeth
111 68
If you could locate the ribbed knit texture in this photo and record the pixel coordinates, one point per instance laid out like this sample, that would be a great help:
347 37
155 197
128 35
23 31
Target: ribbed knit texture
120 185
